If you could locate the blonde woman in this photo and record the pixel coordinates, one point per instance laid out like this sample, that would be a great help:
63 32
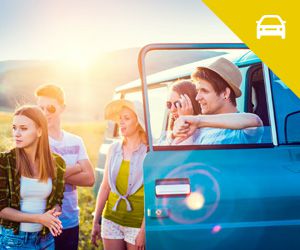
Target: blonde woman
120 201
31 185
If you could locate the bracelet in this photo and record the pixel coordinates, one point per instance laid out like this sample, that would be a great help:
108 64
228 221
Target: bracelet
100 220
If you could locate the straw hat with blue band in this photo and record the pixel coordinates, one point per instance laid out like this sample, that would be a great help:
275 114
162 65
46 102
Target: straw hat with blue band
113 109
228 71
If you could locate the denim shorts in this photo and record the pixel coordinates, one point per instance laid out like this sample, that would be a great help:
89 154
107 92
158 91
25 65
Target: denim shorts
24 240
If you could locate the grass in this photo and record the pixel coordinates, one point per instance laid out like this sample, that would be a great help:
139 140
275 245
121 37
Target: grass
92 135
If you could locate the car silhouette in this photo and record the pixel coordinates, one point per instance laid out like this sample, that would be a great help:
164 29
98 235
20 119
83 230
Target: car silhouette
270 25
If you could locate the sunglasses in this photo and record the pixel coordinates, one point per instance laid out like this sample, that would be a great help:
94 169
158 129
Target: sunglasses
176 103
50 109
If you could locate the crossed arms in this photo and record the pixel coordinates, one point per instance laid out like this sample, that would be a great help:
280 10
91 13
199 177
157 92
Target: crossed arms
82 174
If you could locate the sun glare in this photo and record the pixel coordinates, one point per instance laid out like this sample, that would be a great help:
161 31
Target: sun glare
195 201
78 61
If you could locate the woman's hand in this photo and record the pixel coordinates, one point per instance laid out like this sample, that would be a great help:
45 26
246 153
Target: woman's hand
140 239
50 220
186 106
184 127
96 233
57 210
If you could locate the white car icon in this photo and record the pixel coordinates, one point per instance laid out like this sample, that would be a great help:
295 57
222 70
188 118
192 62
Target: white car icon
270 25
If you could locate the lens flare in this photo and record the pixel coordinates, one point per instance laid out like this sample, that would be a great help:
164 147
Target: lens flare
216 229
195 201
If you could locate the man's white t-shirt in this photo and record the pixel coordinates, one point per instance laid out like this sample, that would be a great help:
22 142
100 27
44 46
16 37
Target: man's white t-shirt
71 148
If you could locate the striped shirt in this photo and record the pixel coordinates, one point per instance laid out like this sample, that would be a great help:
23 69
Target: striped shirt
10 187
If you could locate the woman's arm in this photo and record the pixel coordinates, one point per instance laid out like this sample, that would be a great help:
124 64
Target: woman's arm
47 219
101 199
100 203
140 238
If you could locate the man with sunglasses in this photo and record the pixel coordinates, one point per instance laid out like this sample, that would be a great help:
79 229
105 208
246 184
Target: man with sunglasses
218 86
79 171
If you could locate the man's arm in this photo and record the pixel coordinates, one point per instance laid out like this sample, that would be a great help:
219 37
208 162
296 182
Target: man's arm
226 121
85 178
71 170
185 126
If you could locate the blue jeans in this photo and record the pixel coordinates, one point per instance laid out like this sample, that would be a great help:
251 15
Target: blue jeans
68 240
24 240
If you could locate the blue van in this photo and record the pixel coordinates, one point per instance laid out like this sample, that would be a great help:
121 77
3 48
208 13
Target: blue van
241 196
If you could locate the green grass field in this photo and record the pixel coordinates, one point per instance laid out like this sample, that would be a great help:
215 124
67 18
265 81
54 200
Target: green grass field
92 134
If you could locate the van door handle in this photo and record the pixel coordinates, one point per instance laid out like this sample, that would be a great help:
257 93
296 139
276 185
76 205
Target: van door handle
172 187
157 212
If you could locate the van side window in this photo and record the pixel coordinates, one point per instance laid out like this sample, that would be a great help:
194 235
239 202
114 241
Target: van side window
292 132
287 108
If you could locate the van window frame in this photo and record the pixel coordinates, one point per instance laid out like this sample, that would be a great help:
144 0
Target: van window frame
190 46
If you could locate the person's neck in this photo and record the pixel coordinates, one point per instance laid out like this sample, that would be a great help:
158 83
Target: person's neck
55 131
228 108
133 142
31 152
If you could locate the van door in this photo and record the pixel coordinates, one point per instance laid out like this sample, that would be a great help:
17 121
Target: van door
235 196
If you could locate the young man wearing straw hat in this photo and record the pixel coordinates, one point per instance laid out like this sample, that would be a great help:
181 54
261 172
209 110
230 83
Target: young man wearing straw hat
218 86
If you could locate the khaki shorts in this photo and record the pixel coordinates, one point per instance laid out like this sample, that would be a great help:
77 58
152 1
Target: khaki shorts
111 230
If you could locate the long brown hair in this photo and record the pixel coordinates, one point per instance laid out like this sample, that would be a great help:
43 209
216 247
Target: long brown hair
45 160
187 87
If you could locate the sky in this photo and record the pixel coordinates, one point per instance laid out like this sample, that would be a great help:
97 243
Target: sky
85 29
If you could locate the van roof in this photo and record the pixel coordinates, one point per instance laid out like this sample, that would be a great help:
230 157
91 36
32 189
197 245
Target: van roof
240 58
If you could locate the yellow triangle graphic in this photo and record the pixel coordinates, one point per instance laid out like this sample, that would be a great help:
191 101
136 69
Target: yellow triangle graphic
281 54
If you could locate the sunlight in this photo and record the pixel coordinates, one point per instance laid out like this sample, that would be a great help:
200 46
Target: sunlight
78 61
195 201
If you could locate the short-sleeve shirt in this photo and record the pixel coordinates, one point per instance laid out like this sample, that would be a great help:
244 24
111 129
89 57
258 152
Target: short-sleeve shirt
208 136
71 148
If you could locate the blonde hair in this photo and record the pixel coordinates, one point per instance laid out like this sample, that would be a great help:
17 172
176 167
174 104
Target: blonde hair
140 130
45 160
142 135
51 91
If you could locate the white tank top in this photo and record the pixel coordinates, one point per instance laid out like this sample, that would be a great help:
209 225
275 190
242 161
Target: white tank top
34 196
